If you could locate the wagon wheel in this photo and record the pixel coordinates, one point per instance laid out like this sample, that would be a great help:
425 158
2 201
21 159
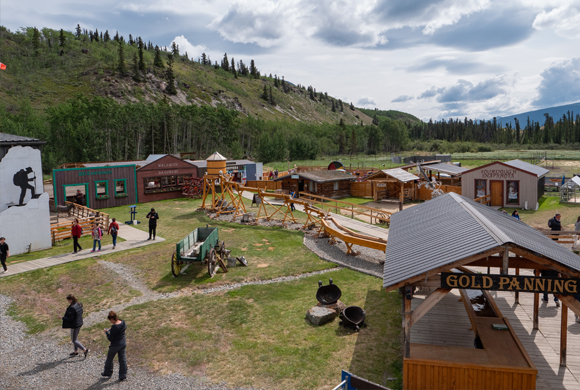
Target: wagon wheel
382 218
222 264
222 249
211 263
175 264
243 261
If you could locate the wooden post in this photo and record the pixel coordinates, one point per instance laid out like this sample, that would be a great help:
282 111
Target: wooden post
536 307
563 334
407 296
505 262
517 294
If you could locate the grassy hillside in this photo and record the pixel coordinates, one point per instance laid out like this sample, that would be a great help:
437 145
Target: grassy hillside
45 73
391 114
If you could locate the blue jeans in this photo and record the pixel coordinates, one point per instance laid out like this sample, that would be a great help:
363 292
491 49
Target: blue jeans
95 244
122 361
114 239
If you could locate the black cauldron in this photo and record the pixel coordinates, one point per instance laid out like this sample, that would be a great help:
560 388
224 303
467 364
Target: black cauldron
327 295
353 317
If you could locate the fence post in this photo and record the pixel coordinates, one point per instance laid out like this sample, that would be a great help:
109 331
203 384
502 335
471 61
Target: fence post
351 212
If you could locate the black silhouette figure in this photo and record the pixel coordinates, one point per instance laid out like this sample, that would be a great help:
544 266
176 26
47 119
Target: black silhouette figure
21 180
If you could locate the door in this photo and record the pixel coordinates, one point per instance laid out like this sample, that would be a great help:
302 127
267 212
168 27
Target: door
496 193
300 185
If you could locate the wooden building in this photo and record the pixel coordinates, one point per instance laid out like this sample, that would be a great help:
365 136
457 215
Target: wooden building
330 184
163 178
454 243
102 187
393 183
511 184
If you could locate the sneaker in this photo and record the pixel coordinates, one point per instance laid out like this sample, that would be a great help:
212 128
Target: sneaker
122 379
92 251
75 252
153 237
99 250
73 354
557 304
86 352
105 375
114 246
148 238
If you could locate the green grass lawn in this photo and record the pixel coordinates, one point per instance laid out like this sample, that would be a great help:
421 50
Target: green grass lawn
549 206
271 252
40 296
258 336
61 247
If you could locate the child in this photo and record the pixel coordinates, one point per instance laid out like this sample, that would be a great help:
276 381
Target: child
4 253
97 233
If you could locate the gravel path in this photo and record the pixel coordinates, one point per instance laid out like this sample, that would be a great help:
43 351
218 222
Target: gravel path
369 261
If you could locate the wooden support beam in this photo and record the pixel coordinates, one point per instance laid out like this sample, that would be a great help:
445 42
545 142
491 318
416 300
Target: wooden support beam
505 261
535 320
544 261
517 293
432 281
563 334
407 296
571 302
469 308
428 304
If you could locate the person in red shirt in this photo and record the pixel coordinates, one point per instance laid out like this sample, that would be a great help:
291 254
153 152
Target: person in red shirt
76 232
113 231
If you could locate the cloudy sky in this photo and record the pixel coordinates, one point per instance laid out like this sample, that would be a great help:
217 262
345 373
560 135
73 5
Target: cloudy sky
431 58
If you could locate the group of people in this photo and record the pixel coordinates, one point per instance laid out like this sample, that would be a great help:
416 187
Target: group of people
96 234
273 174
73 320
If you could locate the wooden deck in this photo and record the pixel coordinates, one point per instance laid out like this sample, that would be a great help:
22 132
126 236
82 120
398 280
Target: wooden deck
448 324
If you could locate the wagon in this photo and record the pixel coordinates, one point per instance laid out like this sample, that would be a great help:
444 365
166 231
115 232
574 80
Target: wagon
201 245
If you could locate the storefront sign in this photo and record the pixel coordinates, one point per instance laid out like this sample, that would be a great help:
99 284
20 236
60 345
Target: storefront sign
164 173
498 173
168 165
295 177
91 173
510 283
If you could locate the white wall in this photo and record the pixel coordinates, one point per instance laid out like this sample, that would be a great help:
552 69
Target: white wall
27 225
17 158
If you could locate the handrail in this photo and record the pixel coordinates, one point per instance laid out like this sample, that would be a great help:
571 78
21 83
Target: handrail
381 215
80 211
483 199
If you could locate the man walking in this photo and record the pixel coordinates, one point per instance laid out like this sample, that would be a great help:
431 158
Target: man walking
153 217
550 273
4 253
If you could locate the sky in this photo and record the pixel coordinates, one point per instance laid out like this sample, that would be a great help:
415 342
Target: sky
431 58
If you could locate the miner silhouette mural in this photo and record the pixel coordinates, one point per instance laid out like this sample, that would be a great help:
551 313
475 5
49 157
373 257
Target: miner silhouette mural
22 180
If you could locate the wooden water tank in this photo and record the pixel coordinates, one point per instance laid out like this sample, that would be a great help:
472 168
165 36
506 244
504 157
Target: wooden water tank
216 163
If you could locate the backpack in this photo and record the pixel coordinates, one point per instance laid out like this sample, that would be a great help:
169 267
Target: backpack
113 230
550 223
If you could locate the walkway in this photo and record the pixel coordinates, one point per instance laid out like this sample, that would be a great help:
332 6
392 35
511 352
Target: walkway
359 226
134 238
542 345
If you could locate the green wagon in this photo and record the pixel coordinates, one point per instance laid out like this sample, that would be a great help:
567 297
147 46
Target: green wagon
201 245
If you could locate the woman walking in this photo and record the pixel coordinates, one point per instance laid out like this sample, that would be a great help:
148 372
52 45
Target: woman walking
97 234
113 231
116 335
76 232
73 320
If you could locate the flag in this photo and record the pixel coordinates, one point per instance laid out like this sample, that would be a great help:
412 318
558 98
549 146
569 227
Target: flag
2 66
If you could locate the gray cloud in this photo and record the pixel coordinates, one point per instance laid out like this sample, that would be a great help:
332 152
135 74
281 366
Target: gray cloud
428 93
402 99
560 84
366 101
454 66
465 91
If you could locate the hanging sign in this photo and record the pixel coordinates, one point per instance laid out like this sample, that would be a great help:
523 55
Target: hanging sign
536 284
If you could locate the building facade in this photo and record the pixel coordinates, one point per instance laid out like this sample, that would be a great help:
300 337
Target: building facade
163 178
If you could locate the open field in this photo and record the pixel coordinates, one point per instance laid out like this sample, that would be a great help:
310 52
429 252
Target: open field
257 335
271 252
549 206
41 295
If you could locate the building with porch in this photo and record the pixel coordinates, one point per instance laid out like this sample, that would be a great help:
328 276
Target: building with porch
506 184
330 184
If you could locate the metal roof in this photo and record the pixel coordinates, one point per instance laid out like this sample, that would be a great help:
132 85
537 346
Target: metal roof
450 228
320 176
216 157
153 157
400 174
12 139
531 168
203 163
115 163
576 180
450 169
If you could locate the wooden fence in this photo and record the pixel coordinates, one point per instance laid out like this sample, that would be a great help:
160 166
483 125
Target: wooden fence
86 216
264 184
377 215
361 189
484 199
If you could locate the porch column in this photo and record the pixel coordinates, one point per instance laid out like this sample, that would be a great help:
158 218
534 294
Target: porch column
563 334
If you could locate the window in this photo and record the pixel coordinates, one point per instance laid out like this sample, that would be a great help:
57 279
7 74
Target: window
513 192
154 185
121 188
312 186
102 189
480 188
336 186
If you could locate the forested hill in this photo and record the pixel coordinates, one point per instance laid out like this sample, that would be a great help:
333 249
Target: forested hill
45 67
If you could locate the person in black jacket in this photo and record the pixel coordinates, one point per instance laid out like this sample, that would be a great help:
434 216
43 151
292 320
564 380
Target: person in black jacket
153 217
555 224
550 273
73 320
116 335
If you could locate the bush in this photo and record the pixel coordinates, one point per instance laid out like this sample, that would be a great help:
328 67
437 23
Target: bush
484 148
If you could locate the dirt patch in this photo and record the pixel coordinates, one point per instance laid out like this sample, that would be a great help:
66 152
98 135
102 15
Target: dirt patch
262 265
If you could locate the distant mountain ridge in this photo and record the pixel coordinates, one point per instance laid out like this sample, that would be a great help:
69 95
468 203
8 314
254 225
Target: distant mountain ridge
538 115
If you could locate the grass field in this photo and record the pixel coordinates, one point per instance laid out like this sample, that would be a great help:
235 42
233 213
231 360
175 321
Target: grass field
271 252
40 296
549 206
258 336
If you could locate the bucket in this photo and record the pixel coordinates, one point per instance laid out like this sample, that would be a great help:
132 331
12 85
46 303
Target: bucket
231 262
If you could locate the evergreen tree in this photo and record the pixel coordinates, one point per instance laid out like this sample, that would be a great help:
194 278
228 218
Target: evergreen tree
333 107
78 31
253 70
284 86
96 35
226 63
375 120
216 65
170 76
141 61
101 36
517 130
265 93
91 37
233 68
175 48
136 75
106 37
61 38
122 67
351 106
131 40
203 59
157 61
116 37
35 40
271 97
276 81
340 105
353 144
